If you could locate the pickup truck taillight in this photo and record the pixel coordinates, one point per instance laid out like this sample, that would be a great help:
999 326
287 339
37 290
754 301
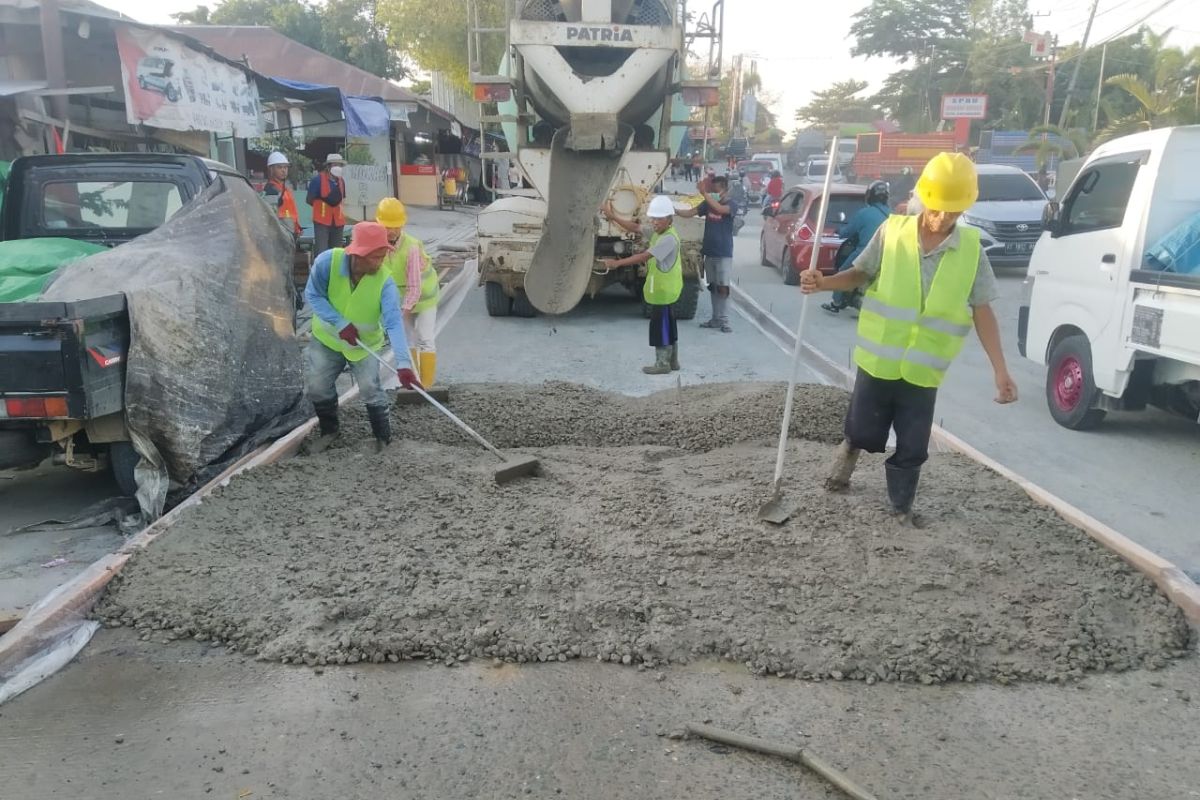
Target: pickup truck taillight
35 407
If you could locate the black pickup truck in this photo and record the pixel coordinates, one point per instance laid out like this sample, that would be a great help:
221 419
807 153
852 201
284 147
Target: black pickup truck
62 365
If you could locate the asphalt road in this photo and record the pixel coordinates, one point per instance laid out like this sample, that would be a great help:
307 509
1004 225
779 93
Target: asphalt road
1136 472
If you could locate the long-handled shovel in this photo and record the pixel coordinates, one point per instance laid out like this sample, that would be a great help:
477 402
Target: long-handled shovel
774 510
512 468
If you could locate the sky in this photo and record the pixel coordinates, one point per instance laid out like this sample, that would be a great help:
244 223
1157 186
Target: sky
805 48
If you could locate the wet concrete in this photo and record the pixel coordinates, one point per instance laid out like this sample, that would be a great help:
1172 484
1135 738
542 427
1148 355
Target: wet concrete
135 719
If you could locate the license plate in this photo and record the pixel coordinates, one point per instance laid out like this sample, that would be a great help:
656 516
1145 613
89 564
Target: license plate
1018 248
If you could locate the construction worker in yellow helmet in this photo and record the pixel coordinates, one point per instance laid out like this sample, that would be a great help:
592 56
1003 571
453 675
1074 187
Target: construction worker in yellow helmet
928 283
414 272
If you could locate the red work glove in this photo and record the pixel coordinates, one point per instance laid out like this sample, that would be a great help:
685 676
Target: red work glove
408 378
349 334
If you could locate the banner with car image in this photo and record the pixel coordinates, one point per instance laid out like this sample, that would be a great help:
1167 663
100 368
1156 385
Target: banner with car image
169 85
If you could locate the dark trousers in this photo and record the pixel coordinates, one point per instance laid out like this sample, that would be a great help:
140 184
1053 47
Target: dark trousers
326 237
877 405
663 332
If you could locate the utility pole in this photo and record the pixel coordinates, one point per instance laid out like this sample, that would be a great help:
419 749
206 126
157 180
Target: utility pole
1050 79
1062 117
1100 88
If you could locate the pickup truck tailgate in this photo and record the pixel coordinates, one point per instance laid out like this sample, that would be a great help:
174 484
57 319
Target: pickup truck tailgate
63 352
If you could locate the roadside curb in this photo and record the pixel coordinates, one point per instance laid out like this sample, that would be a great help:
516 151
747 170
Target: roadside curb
74 598
1169 578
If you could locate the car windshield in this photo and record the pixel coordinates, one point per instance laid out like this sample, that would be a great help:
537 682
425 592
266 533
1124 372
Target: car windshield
754 166
1007 188
818 167
841 209
109 205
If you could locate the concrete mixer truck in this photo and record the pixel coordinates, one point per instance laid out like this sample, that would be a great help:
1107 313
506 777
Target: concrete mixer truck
590 98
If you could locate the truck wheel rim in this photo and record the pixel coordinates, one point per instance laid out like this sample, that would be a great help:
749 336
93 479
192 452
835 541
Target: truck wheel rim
1068 384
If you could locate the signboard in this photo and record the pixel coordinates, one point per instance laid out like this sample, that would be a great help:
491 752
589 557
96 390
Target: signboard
749 110
418 169
1039 43
169 85
964 106
368 175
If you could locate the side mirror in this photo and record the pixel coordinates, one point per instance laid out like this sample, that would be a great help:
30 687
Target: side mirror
768 211
1050 217
841 216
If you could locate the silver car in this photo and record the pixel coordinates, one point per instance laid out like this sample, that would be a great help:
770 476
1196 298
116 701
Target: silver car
1008 213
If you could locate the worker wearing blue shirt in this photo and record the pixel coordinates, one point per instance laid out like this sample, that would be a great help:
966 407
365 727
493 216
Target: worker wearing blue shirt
354 302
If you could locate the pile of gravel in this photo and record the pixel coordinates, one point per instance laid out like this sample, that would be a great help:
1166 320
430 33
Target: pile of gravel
640 553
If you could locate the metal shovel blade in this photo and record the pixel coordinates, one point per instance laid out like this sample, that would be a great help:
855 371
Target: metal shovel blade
564 257
516 468
775 511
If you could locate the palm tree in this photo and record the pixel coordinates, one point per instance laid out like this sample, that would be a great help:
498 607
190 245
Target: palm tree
1048 142
1161 102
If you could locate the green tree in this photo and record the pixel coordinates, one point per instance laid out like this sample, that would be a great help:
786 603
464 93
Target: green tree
1166 94
952 46
344 29
839 104
433 33
1064 144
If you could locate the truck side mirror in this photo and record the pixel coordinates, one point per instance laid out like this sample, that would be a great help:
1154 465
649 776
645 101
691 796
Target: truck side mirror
1050 217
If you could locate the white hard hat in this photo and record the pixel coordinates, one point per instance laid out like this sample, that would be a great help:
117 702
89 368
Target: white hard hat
334 158
660 207
276 158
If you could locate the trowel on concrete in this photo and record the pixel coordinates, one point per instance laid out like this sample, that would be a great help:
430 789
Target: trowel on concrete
511 469
566 254
776 510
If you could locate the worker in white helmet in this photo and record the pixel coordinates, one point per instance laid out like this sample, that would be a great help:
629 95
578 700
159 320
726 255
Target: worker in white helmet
279 195
664 277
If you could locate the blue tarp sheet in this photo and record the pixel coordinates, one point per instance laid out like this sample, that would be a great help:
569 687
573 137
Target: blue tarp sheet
365 116
1179 250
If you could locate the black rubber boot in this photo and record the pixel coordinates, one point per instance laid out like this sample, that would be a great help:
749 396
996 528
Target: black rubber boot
327 418
381 426
902 490
675 357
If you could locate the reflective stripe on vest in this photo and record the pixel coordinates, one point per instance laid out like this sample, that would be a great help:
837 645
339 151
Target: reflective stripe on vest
325 214
397 265
359 304
663 288
904 334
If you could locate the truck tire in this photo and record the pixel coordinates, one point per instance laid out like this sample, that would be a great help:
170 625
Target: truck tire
790 276
498 303
689 300
521 307
1070 388
122 459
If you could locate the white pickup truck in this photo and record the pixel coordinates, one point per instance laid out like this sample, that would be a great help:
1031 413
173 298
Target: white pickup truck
1115 330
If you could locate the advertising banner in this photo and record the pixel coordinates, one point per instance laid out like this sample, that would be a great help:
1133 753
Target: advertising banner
169 85
964 106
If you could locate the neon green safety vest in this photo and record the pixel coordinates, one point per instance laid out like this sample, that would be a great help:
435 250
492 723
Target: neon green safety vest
663 288
397 264
360 305
902 334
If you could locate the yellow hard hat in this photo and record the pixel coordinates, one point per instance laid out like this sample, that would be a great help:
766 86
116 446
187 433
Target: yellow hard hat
948 183
391 213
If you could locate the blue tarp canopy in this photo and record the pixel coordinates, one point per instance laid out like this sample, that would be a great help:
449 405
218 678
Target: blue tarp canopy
365 116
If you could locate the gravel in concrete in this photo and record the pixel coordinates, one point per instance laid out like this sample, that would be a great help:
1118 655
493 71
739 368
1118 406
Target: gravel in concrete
639 545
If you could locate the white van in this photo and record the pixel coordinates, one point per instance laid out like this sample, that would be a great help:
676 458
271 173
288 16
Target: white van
1115 329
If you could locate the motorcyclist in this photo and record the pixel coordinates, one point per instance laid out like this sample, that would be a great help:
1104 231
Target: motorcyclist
774 191
856 233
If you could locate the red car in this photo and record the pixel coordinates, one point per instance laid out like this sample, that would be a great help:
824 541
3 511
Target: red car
756 174
788 227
